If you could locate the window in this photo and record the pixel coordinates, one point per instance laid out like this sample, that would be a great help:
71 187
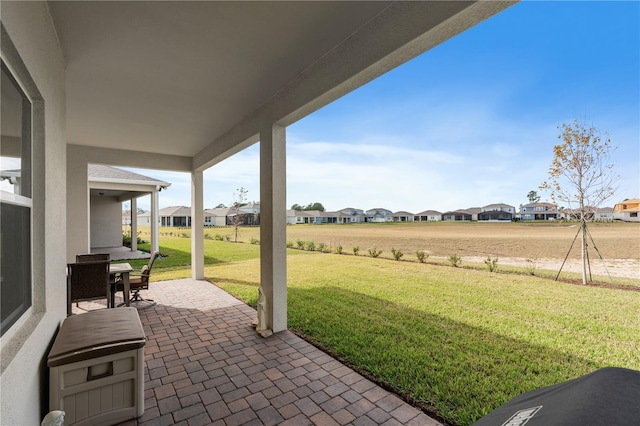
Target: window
15 201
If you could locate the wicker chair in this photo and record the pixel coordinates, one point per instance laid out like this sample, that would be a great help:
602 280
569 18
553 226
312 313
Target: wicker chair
87 281
138 282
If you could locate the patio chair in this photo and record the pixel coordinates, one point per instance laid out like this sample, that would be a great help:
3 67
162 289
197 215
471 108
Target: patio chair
87 281
92 257
138 281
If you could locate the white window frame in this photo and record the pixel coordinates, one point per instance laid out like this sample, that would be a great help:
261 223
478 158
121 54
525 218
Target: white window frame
20 200
15 337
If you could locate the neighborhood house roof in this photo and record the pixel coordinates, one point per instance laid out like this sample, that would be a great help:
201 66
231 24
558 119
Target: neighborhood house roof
472 210
219 212
498 205
175 211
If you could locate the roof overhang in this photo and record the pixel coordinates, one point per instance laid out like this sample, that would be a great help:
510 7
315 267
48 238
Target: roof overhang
200 79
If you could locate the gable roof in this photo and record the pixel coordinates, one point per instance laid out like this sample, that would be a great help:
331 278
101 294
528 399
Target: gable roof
500 205
110 174
429 212
175 211
219 212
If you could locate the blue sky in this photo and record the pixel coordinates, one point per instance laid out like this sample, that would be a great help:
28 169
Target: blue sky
468 123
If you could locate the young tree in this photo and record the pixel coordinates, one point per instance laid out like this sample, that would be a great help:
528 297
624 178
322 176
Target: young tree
239 200
533 197
581 175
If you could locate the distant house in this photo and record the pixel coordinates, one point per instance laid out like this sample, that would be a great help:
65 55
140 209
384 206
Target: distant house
457 216
428 216
603 214
175 216
300 217
216 217
627 210
322 217
351 215
474 211
292 219
251 208
539 211
402 216
378 215
497 213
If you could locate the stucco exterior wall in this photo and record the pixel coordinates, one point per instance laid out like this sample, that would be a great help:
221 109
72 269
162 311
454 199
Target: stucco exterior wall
106 222
24 347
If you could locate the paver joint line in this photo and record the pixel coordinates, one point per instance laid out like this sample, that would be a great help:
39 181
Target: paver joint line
205 365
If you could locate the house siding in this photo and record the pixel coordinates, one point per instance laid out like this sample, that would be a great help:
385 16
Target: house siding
29 27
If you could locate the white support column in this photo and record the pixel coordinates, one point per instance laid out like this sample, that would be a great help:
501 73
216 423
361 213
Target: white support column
155 208
134 224
78 209
197 226
273 220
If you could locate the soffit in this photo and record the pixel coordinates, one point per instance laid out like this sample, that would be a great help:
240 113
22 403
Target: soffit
171 77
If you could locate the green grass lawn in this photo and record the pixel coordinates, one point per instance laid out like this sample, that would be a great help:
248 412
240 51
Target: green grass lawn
461 341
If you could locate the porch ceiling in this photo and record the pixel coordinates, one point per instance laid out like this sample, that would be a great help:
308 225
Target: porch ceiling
176 77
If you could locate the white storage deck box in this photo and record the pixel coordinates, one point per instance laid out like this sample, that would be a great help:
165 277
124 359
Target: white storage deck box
97 368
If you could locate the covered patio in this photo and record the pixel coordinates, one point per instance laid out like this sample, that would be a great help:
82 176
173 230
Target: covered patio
204 364
182 86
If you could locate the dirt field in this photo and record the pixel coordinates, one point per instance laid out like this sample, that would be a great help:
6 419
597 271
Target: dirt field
512 243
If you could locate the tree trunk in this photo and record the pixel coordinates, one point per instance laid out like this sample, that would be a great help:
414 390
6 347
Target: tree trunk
583 251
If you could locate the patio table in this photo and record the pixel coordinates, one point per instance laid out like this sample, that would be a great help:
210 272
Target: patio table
123 269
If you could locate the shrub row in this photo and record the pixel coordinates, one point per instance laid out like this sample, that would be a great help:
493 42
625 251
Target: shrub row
421 255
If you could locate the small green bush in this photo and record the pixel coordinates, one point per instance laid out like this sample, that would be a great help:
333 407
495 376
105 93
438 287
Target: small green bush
356 249
208 237
338 249
492 264
219 237
322 247
289 244
126 239
422 256
310 246
254 241
300 244
374 252
455 260
531 266
397 254
227 237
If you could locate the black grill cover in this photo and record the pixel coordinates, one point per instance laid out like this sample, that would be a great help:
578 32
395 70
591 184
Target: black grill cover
606 397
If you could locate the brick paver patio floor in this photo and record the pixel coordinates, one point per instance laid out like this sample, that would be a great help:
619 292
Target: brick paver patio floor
206 365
